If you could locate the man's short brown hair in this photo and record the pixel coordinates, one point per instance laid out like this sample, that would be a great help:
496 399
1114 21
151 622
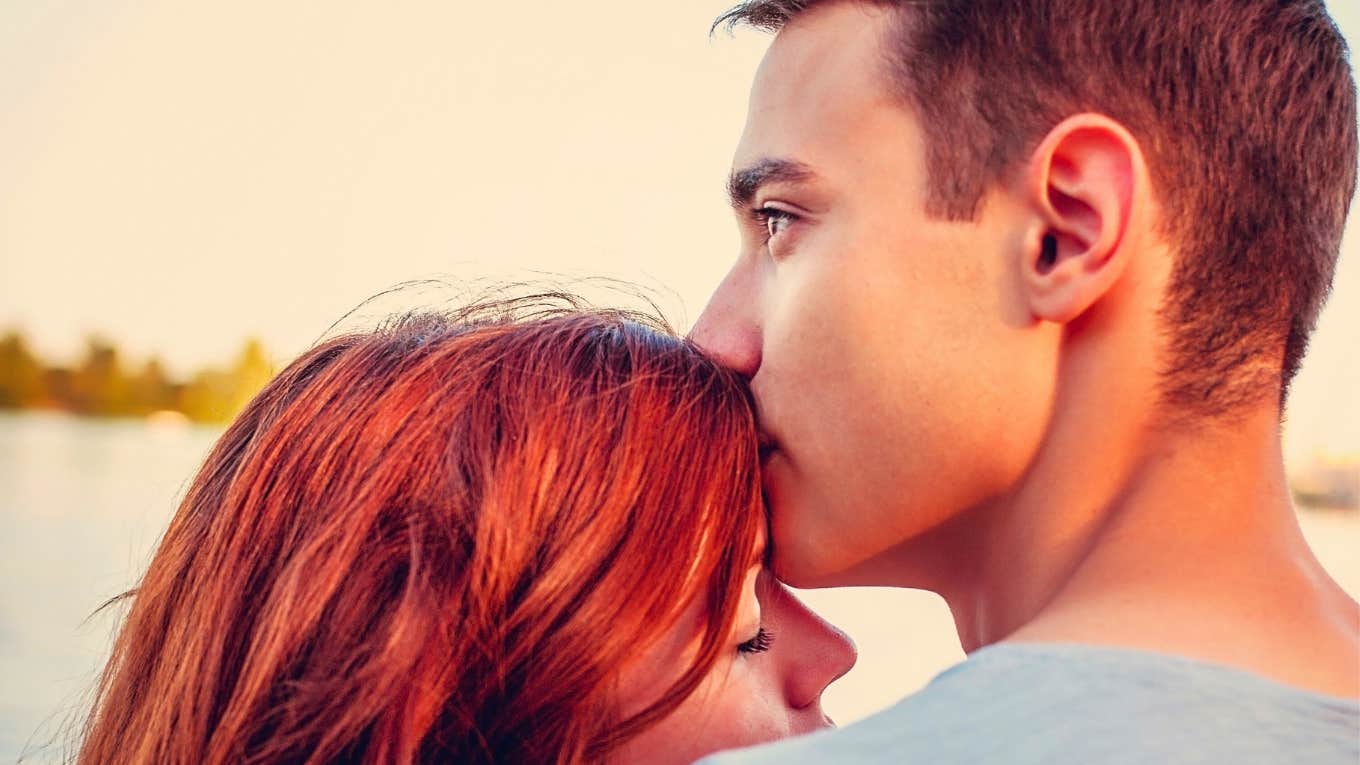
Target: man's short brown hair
1245 109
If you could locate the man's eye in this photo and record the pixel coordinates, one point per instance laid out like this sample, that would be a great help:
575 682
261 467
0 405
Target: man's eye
774 220
758 644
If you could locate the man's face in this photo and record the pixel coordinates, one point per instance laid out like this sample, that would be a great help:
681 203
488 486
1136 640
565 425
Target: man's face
894 365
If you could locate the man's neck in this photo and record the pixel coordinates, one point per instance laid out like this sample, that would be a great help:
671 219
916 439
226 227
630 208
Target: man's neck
1190 546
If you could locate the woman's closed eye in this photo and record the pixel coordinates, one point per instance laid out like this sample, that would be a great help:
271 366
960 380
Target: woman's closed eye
758 644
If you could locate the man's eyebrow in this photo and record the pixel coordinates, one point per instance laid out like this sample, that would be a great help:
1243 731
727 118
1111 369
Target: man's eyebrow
743 183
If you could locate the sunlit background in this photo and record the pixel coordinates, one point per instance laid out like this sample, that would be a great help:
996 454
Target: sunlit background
177 178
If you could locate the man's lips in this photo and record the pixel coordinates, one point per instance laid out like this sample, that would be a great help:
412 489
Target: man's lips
766 447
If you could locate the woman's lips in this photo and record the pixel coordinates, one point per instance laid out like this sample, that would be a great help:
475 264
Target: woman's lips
813 724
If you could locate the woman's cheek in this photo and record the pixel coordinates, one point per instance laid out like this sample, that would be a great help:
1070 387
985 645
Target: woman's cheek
748 709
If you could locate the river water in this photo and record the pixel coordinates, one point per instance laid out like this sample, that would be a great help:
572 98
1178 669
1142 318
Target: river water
82 503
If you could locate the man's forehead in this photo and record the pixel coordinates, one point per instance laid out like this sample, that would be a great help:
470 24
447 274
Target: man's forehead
824 68
844 39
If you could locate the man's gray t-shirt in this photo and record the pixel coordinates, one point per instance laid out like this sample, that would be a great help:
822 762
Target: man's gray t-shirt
1058 704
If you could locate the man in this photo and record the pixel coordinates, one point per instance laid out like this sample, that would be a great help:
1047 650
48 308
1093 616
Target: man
1021 289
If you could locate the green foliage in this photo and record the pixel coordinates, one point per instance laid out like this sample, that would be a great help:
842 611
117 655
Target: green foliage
102 386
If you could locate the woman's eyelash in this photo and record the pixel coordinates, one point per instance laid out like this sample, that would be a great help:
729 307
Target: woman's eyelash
758 644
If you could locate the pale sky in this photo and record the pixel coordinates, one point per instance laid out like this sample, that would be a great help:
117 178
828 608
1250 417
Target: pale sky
179 175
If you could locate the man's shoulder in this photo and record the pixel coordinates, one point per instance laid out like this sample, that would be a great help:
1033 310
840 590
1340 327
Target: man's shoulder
1058 704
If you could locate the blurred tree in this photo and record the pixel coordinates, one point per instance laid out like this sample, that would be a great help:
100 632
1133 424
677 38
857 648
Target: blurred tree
99 386
252 372
205 397
152 390
216 396
57 387
21 374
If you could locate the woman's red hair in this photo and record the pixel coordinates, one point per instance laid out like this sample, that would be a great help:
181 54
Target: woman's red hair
439 541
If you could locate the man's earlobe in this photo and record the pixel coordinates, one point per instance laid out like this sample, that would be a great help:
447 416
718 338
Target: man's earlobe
1081 182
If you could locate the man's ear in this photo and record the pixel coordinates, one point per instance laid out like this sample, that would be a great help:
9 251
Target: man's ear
1080 183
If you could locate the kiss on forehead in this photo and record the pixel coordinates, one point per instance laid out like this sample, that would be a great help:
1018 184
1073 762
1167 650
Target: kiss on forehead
1020 290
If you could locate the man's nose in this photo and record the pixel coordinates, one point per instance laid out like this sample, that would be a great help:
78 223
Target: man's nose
728 329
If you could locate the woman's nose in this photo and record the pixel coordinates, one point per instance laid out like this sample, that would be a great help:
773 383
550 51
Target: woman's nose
819 651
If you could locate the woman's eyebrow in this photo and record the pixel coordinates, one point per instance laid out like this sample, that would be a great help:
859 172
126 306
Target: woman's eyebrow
744 183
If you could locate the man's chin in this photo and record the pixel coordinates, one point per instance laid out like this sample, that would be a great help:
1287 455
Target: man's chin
800 562
802 557
805 580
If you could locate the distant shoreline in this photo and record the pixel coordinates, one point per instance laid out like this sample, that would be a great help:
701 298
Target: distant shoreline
1325 507
169 419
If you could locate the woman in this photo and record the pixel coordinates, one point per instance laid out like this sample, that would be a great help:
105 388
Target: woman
508 535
